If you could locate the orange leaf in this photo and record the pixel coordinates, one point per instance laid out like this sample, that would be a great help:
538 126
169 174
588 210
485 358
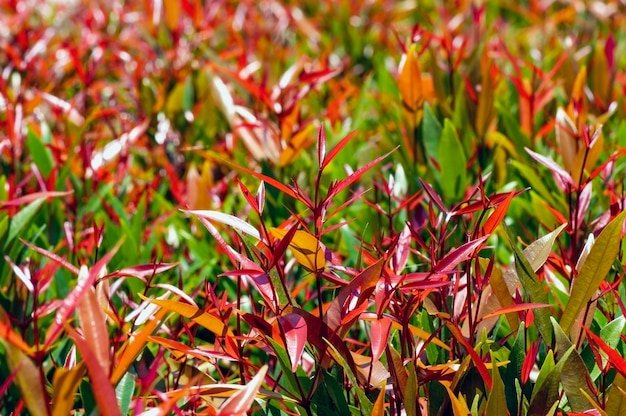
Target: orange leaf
410 80
379 404
498 215
172 13
134 345
7 333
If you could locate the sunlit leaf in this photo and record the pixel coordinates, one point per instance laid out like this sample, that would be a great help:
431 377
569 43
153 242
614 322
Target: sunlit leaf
192 312
295 333
230 220
239 403
307 250
93 323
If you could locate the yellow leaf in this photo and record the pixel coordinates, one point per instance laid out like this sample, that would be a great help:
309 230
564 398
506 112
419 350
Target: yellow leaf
459 405
577 99
307 250
296 144
410 80
205 320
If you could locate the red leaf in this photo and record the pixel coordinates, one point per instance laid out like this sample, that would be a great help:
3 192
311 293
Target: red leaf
295 333
335 150
366 282
344 183
52 257
478 362
458 255
102 388
615 359
380 329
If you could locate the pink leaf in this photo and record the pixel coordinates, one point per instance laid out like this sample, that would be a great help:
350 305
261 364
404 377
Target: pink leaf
295 332
553 166
458 255
86 279
240 403
32 197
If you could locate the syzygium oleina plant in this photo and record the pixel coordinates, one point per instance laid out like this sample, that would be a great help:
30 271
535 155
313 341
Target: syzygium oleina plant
305 208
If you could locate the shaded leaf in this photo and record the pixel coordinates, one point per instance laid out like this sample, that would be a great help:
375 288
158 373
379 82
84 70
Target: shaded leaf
594 270
496 402
27 378
616 402
65 383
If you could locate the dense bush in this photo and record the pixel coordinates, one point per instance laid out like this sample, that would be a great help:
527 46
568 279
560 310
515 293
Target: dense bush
223 207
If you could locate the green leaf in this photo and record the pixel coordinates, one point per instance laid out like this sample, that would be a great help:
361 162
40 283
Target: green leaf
535 288
513 371
285 364
574 375
410 404
431 132
546 392
40 153
496 403
594 270
452 162
364 403
21 219
124 392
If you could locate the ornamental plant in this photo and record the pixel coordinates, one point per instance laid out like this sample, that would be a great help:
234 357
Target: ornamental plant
279 208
